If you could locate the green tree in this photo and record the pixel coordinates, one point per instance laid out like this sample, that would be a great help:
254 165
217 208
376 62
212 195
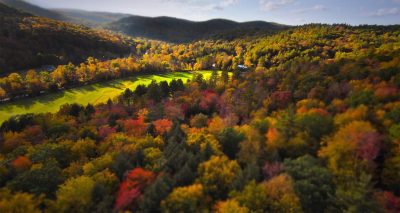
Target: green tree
252 197
213 79
315 125
313 183
154 92
41 178
229 138
155 193
365 97
356 195
225 76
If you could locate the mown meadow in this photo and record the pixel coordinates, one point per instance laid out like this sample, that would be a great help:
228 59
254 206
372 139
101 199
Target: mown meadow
93 94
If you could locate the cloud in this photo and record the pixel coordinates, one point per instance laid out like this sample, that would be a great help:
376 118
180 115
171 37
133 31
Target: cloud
206 5
319 7
268 5
310 9
386 12
223 4
227 3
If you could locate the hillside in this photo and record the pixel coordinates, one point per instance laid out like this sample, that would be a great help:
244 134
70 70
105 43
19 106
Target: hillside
34 9
180 30
160 28
28 41
87 18
90 18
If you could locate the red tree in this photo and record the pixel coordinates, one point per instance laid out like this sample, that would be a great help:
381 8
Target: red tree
21 163
135 127
369 146
271 170
162 126
281 98
132 188
105 131
209 100
388 201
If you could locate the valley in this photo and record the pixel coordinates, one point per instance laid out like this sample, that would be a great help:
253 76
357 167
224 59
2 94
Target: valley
211 106
90 94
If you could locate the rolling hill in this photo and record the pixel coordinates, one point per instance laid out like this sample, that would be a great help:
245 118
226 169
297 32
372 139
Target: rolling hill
35 10
180 30
90 18
87 18
28 41
160 28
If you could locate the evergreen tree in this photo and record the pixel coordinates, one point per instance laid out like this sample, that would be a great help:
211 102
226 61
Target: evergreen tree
155 193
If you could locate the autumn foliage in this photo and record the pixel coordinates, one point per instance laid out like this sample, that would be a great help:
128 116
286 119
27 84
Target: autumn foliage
132 188
21 163
311 126
163 126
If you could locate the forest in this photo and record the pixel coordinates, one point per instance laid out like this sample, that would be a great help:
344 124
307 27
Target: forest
28 41
302 119
310 43
312 126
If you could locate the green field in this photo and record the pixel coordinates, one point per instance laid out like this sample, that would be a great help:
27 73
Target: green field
94 94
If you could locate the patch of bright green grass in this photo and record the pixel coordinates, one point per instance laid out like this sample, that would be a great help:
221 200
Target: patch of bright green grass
93 94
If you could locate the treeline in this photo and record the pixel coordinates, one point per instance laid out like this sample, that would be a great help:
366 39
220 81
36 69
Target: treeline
308 43
184 31
34 83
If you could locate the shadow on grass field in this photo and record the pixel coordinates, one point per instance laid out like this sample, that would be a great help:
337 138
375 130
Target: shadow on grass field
94 94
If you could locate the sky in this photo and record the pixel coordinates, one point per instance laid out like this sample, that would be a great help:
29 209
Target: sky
291 12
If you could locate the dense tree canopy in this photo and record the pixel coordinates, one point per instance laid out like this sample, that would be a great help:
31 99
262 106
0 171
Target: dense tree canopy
311 126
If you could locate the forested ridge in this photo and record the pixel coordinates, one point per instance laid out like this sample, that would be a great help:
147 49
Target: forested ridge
184 31
309 123
161 28
87 18
25 6
28 41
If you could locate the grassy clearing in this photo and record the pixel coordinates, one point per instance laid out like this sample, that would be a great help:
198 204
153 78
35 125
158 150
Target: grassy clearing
94 94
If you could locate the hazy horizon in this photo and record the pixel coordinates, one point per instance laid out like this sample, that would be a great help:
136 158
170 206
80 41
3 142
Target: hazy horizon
291 12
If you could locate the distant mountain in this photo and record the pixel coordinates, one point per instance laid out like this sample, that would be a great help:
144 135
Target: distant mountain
33 9
180 30
28 41
159 28
90 18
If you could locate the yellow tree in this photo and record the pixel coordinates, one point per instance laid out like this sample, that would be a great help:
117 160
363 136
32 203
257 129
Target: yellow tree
281 196
19 202
185 199
3 93
202 139
75 195
217 175
350 155
352 149
230 206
